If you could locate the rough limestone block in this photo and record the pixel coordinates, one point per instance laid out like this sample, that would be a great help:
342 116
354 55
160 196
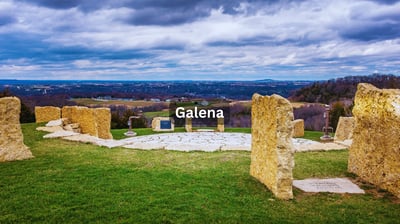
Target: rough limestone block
271 147
93 121
375 153
344 130
12 145
103 121
220 125
188 125
46 114
298 128
156 123
66 114
86 119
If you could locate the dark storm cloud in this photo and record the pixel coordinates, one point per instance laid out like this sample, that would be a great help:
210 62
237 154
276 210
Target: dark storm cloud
84 5
367 26
162 16
388 2
159 12
374 31
35 48
5 20
173 12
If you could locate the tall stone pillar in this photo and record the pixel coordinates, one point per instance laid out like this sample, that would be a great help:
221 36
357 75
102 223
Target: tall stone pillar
12 145
220 125
271 147
188 125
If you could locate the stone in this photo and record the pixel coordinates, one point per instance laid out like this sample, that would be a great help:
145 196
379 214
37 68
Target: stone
271 147
344 130
332 185
12 145
160 124
298 128
73 127
103 122
60 134
375 152
46 114
66 114
50 129
53 123
93 121
188 125
220 125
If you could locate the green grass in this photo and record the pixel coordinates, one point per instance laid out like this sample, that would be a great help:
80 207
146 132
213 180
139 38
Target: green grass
156 114
313 135
70 182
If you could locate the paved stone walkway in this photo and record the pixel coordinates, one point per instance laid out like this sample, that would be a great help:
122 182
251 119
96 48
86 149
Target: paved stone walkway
191 141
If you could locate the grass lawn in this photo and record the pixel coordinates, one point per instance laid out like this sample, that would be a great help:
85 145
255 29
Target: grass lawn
70 182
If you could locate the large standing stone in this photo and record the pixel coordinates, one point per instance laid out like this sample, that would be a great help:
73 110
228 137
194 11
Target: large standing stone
344 130
12 145
375 153
103 122
188 125
220 124
298 128
46 114
95 122
271 147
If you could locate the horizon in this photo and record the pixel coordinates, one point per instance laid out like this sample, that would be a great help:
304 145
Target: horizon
206 40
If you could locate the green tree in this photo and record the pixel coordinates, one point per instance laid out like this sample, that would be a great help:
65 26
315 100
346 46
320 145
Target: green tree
338 110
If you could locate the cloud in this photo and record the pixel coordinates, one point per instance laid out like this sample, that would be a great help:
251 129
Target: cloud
368 22
5 20
199 39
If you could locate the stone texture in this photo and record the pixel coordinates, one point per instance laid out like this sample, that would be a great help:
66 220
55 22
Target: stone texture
298 128
271 147
95 122
46 114
54 123
332 185
103 122
344 130
156 123
12 145
188 125
375 152
220 125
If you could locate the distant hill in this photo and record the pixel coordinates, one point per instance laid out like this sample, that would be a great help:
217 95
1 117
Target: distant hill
342 88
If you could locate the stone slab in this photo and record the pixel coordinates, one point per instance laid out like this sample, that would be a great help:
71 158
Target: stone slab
332 185
52 123
60 134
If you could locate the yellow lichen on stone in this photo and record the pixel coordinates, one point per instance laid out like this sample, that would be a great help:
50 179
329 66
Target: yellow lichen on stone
12 145
344 130
220 125
271 147
103 121
48 113
375 152
298 128
93 121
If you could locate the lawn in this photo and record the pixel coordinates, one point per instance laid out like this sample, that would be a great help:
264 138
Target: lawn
70 182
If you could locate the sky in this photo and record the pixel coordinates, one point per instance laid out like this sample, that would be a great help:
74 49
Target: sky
198 39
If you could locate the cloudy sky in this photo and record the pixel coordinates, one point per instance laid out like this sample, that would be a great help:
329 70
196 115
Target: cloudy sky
198 39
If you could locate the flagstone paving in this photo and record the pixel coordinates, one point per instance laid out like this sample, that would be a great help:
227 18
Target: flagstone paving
190 141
